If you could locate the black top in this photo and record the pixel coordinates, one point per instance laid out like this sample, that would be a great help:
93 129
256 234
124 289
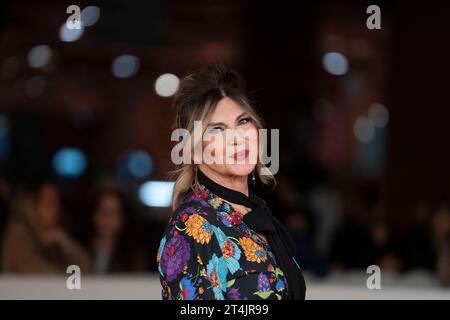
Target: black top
209 250
261 220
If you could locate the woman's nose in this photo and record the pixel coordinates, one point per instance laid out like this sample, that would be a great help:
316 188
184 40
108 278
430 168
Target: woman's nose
238 136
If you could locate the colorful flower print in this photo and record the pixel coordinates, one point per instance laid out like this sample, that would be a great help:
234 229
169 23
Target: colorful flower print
236 217
175 255
199 228
230 250
187 289
158 255
233 294
224 218
217 275
207 252
263 282
253 251
280 285
264 287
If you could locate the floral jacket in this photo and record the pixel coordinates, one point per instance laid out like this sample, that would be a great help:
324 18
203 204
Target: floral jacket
207 252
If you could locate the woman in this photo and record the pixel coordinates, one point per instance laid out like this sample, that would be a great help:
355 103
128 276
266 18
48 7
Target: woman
35 241
222 241
113 243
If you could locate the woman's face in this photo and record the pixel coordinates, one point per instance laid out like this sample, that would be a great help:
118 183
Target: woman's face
440 222
230 141
48 206
108 218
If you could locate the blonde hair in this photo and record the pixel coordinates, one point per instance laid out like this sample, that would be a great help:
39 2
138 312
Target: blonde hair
197 97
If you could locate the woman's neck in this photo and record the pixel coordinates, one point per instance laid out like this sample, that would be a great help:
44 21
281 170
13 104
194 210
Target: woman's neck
237 183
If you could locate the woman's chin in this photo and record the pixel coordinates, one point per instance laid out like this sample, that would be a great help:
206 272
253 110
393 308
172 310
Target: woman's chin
241 169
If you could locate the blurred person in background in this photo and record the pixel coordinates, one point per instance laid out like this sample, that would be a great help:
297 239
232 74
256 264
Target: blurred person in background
443 265
417 249
440 227
113 241
4 210
427 245
440 238
301 225
365 237
288 202
34 240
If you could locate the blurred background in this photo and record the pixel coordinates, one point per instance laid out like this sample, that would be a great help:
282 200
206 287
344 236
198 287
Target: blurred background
86 118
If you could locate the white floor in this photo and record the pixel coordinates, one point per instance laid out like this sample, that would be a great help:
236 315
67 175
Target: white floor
349 286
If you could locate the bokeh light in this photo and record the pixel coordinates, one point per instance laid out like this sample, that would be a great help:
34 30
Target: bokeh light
69 162
125 66
140 164
70 35
167 85
90 16
335 63
363 129
379 115
39 56
156 193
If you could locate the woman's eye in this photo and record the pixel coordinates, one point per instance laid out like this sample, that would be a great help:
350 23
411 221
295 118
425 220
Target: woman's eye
244 121
215 129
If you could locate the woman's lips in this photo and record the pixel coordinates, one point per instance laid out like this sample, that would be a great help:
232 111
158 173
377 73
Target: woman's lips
241 155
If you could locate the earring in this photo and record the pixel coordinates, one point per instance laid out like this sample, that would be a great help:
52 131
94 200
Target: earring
253 178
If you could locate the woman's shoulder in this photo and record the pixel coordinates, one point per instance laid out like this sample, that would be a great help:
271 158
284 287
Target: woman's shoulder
194 218
193 207
191 227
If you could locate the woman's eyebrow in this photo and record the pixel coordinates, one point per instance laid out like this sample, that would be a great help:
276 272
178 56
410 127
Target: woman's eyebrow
214 124
241 115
